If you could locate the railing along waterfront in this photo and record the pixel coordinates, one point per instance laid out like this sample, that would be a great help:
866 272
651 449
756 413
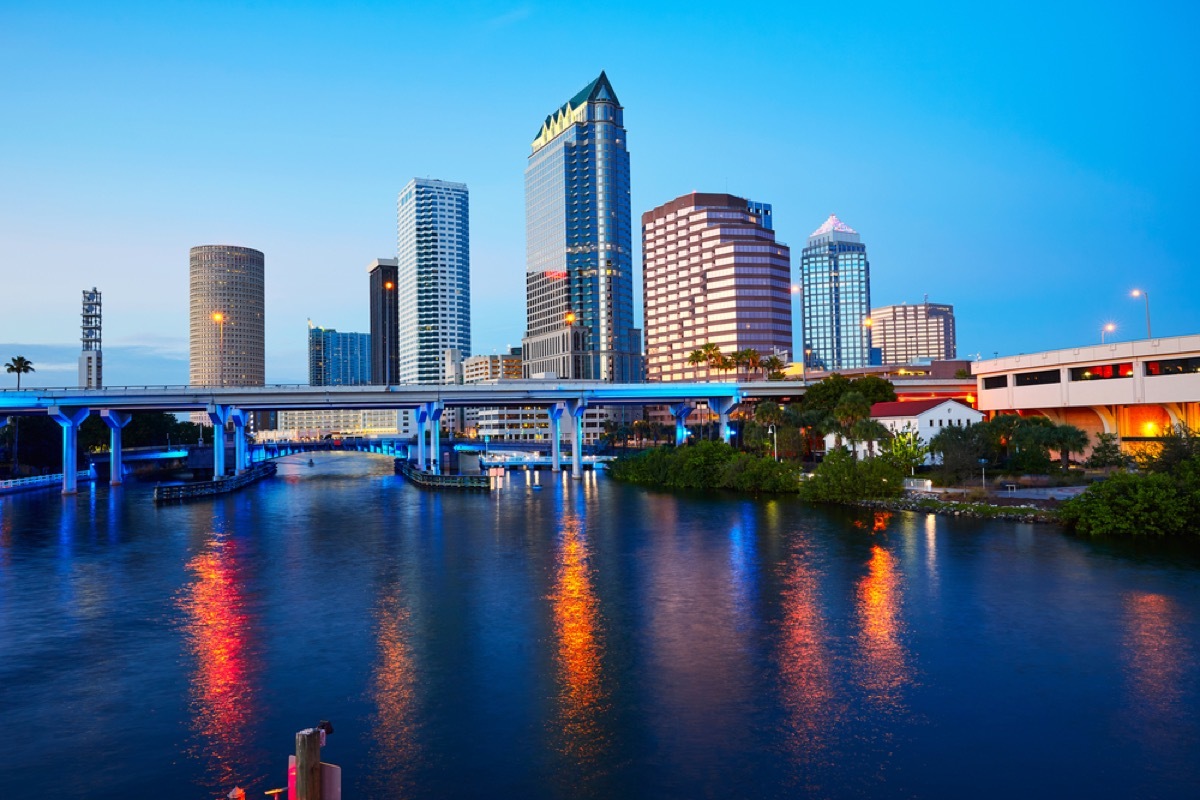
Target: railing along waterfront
40 481
193 491
428 480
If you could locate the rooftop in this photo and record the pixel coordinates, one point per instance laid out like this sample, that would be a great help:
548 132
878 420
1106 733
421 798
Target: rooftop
831 225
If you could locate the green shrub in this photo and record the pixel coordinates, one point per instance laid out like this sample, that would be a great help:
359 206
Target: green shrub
705 465
1132 505
841 478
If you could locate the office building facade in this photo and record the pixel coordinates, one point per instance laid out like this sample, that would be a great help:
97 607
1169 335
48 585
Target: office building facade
385 350
227 345
835 278
579 257
433 277
338 359
91 359
712 272
909 333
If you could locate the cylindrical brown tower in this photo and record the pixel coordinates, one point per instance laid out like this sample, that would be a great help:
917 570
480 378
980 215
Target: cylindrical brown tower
228 345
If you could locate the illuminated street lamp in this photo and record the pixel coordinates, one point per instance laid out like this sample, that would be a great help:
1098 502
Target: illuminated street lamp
1108 328
219 318
1146 295
774 441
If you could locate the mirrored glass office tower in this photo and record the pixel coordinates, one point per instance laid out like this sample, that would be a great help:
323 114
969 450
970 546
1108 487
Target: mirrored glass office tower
836 280
578 244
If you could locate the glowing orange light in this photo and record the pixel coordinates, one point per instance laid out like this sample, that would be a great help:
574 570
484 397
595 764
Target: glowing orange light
886 670
218 316
1150 429
570 317
388 285
868 322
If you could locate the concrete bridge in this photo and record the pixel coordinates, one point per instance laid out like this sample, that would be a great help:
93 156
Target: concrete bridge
225 405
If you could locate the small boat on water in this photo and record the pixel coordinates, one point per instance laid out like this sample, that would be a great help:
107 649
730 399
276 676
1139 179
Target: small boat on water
312 463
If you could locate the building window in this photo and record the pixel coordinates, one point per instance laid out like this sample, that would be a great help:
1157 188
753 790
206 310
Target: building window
1038 378
1174 366
995 382
1102 372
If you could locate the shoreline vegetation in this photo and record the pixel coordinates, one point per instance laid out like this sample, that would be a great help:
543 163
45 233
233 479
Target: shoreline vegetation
1153 492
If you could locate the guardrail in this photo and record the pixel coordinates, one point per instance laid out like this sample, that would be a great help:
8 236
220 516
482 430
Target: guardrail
427 480
40 481
175 493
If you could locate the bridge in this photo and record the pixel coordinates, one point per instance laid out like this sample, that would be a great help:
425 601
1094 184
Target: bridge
224 405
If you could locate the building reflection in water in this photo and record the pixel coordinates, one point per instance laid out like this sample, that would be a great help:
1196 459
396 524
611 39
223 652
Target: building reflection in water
576 613
219 635
804 662
394 726
1156 658
883 668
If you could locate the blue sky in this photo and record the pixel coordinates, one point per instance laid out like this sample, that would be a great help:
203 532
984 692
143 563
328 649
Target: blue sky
1029 163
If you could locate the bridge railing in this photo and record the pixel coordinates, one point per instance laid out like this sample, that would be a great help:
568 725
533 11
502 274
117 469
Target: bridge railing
36 481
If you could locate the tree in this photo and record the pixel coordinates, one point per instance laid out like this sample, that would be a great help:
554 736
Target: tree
962 374
1107 452
906 450
1069 439
752 360
18 365
1176 445
959 450
768 413
825 393
870 431
874 388
773 367
850 410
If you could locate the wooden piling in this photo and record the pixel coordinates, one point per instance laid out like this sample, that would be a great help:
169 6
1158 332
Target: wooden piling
308 764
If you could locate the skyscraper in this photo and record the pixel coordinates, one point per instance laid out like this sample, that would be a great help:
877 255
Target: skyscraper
712 272
385 352
907 333
836 280
91 360
578 243
227 343
433 277
338 359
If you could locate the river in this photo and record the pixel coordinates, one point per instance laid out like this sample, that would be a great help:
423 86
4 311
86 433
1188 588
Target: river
583 639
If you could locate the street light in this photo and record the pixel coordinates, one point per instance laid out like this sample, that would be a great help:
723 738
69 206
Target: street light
1108 328
219 318
1144 294
774 441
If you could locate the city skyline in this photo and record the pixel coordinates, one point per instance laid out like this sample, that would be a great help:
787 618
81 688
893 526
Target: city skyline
1041 178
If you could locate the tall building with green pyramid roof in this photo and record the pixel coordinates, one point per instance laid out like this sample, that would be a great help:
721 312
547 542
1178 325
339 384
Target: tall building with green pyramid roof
578 244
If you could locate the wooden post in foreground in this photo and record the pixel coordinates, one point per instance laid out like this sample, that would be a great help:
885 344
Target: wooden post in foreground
308 764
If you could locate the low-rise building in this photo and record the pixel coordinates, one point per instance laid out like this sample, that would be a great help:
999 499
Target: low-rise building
923 417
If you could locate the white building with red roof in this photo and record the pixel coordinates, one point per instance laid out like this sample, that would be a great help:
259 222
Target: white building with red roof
925 417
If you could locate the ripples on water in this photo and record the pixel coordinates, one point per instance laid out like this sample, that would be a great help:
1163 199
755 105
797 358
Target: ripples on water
584 639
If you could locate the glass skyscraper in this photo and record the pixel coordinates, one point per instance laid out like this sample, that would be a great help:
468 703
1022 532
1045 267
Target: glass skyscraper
338 359
385 350
578 244
433 277
835 277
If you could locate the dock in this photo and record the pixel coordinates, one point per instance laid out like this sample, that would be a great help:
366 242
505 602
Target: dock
178 493
428 480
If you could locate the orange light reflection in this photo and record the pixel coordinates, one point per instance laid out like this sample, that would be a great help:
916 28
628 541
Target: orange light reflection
884 668
576 626
217 631
804 663
1153 654
393 688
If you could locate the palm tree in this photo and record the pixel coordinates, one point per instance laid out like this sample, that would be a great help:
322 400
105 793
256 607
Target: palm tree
1069 439
773 367
851 409
753 360
20 366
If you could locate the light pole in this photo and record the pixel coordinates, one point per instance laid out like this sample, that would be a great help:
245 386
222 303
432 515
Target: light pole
1109 328
1144 294
774 441
219 318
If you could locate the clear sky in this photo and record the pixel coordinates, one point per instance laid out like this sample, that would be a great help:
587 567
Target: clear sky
1030 163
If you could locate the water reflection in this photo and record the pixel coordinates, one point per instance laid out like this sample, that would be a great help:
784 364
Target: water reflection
883 669
804 662
394 690
219 636
1155 657
576 612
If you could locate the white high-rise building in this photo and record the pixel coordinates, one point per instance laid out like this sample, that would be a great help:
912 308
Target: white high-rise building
433 279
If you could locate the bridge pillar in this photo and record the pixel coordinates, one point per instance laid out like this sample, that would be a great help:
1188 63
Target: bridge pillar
681 411
4 421
555 412
239 419
435 414
70 419
723 405
422 415
576 409
116 422
219 416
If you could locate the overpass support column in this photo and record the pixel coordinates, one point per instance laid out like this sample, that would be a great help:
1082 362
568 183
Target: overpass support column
422 415
680 412
723 405
116 422
70 419
219 415
435 415
576 409
555 412
239 419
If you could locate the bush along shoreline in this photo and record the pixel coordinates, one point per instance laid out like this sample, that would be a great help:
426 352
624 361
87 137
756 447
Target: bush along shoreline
706 465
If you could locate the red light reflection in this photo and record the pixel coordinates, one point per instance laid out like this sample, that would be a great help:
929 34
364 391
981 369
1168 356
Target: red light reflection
884 667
